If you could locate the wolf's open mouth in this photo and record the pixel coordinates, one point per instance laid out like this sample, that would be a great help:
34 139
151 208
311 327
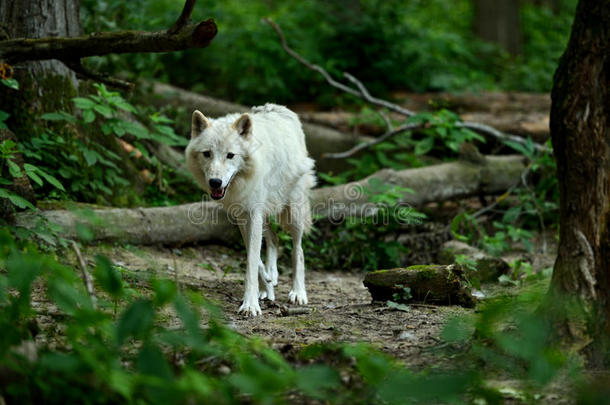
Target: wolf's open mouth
217 193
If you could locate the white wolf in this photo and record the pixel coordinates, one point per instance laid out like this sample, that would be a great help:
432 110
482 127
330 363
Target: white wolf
256 164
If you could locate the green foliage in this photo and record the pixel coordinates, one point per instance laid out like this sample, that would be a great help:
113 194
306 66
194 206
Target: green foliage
389 45
8 150
132 356
533 207
92 165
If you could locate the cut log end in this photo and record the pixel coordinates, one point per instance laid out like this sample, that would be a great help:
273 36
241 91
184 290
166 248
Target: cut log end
430 284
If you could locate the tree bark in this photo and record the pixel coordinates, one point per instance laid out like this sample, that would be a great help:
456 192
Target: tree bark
44 85
580 133
207 221
498 21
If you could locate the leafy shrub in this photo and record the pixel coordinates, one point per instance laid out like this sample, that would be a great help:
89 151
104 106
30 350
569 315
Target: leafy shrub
91 164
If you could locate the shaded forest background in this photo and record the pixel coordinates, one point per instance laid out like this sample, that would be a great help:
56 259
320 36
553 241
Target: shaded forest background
389 45
137 330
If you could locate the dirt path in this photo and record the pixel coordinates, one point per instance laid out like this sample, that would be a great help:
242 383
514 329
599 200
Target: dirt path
340 307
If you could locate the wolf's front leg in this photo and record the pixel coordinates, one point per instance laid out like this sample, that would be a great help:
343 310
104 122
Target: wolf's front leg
253 235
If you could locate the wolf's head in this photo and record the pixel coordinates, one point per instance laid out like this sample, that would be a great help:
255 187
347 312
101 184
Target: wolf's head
218 150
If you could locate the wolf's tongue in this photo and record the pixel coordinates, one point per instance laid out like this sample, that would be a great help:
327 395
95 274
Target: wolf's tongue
217 192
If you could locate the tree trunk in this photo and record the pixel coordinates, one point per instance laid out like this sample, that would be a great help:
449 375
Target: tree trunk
580 133
498 21
44 85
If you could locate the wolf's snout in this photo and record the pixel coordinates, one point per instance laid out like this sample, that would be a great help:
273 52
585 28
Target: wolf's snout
215 183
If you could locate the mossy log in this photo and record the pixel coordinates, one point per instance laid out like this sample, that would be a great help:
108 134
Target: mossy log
207 221
429 284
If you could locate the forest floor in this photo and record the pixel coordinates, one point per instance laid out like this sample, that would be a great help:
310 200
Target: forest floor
340 308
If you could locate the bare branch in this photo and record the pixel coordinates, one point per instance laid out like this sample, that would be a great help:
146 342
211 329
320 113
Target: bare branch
364 94
185 17
386 119
86 276
308 64
377 101
487 130
378 140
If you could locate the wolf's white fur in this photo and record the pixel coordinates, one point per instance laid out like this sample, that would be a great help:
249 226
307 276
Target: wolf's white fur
270 173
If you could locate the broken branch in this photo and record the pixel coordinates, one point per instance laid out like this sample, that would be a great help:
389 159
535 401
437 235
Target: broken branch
97 44
86 276
387 135
185 17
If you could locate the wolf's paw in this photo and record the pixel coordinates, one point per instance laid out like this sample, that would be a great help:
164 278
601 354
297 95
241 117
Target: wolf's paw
298 297
267 292
249 308
274 276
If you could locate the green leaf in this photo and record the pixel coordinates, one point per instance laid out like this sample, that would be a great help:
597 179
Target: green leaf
67 298
88 116
152 362
3 117
84 103
136 320
50 179
16 200
90 156
32 175
397 306
14 169
11 83
424 146
123 105
58 116
316 379
165 291
108 277
103 110
136 130
187 315
60 362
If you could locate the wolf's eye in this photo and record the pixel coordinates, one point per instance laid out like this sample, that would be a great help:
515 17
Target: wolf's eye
230 155
206 153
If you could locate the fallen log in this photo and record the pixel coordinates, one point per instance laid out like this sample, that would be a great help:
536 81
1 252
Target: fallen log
206 221
440 182
319 139
176 225
533 124
426 284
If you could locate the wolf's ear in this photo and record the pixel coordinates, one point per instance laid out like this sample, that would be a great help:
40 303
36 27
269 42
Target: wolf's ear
243 125
198 124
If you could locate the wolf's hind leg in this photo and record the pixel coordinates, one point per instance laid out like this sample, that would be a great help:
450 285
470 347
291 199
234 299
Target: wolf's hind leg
297 219
272 243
